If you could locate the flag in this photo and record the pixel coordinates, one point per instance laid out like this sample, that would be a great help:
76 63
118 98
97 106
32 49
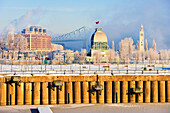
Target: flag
97 22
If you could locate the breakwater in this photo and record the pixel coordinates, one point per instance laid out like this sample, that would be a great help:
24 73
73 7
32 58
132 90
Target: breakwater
50 89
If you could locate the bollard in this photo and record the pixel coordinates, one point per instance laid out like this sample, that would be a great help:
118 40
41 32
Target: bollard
155 91
140 96
147 92
109 92
45 93
69 93
3 94
125 90
20 94
36 93
61 94
28 93
162 91
77 93
101 96
85 93
132 96
92 93
117 92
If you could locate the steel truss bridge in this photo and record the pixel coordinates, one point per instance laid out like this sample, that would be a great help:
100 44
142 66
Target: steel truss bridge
82 34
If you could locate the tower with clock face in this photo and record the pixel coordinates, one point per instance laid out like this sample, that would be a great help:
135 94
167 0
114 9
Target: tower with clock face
141 39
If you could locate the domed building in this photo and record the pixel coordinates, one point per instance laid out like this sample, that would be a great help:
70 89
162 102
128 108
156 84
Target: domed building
99 40
98 44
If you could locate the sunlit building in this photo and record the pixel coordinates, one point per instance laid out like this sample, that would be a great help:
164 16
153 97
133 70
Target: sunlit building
99 41
56 47
37 39
98 45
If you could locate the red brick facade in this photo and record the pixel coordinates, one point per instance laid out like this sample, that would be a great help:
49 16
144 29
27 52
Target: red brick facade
37 38
38 41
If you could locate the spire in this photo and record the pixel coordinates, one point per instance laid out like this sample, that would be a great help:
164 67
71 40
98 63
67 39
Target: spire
141 27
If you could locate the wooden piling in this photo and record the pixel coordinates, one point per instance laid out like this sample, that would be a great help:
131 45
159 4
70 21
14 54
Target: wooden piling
85 92
109 92
20 94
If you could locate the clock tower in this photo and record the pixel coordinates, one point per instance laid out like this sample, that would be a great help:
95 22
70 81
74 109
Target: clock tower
141 39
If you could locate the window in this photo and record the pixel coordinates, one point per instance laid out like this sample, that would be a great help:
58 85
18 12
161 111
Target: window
40 30
36 29
31 29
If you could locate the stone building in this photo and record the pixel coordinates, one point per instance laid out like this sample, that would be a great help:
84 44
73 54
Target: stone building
99 46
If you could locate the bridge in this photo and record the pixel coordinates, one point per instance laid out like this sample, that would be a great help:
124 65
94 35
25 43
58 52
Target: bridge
81 34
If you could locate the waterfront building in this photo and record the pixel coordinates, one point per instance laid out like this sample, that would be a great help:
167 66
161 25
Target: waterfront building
56 47
61 56
33 39
16 55
58 58
37 39
99 47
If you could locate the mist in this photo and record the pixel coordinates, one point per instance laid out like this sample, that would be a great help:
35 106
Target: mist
18 24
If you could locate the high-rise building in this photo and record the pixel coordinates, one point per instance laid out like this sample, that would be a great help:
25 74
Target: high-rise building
37 39
141 39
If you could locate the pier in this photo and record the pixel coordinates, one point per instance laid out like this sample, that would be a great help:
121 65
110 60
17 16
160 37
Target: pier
77 89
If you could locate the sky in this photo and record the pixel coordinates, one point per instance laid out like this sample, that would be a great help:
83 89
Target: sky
118 18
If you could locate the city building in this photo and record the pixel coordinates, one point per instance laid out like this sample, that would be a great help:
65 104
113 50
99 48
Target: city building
37 39
32 39
58 57
99 41
56 47
16 55
61 56
98 46
141 39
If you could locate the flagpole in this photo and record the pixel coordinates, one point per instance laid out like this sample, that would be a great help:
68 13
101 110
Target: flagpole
97 24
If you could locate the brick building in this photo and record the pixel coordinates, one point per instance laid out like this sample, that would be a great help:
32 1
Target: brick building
37 39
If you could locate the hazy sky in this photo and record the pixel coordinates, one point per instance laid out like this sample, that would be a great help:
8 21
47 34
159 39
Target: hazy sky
118 18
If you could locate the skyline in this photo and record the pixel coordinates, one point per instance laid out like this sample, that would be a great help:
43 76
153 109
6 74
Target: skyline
117 18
